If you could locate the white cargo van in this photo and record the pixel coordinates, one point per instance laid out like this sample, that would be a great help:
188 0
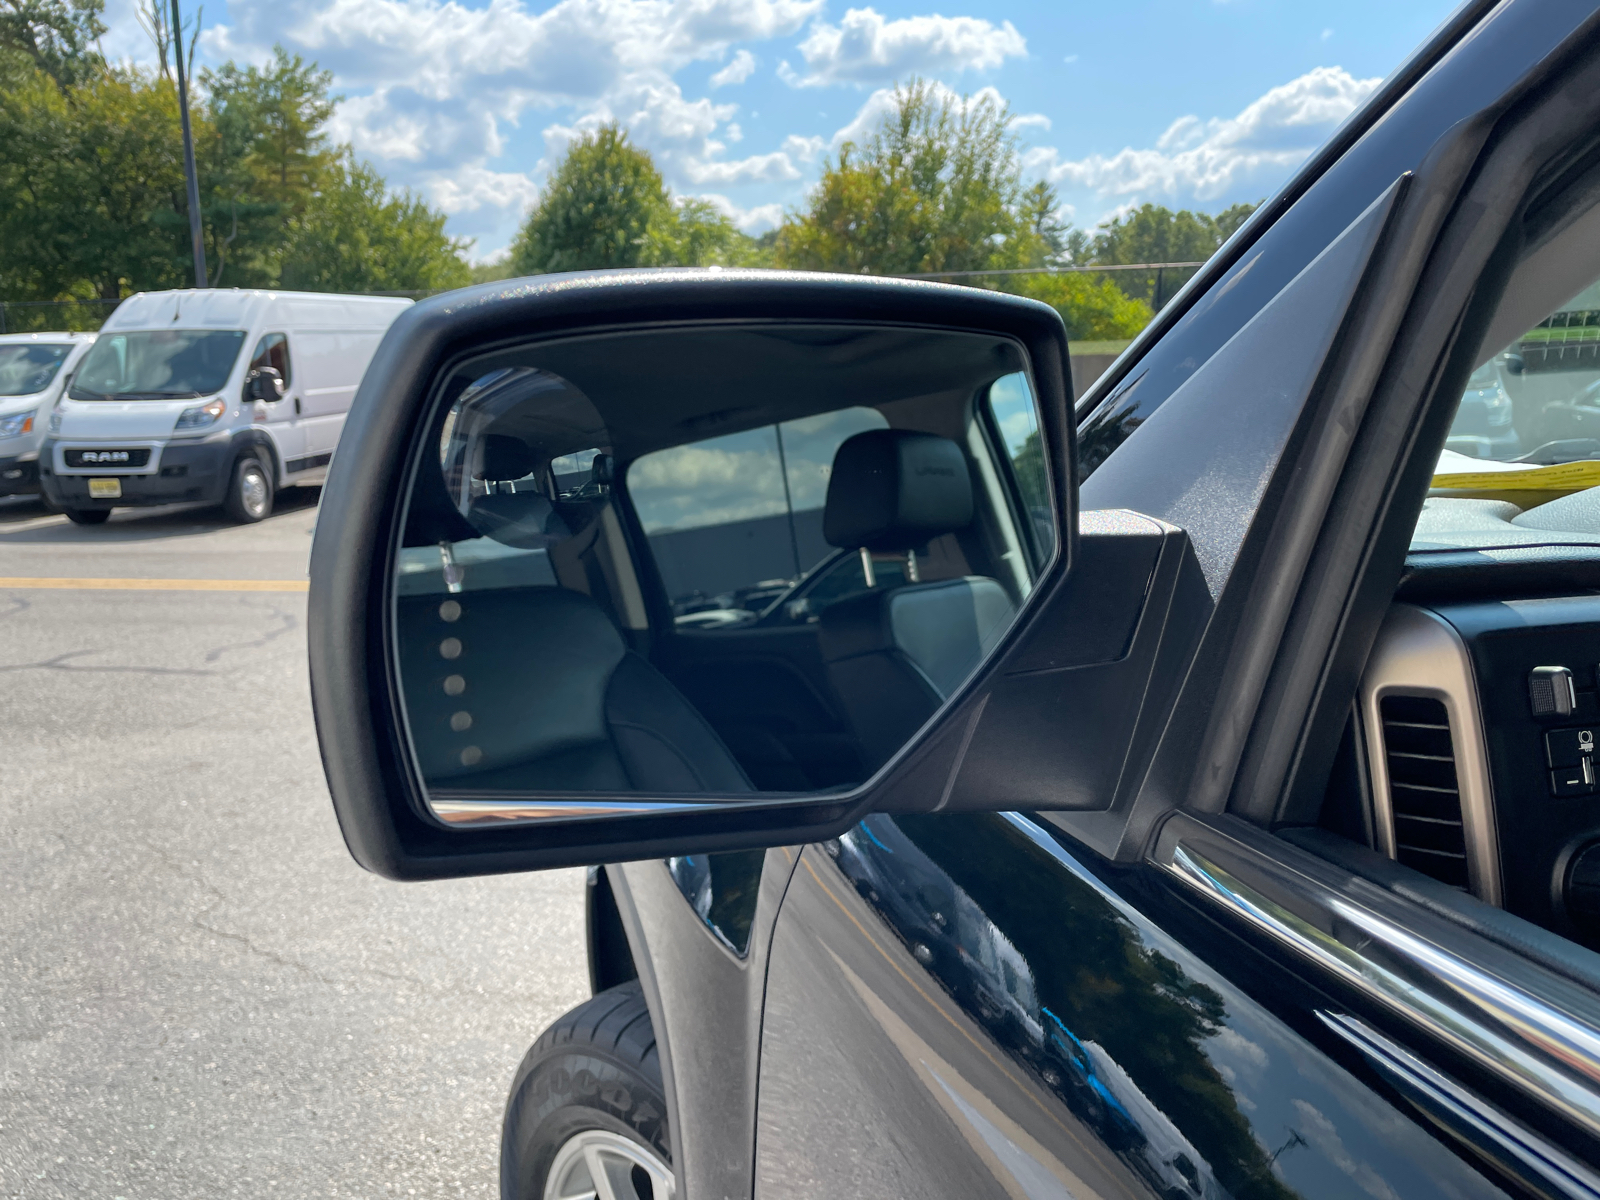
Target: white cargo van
34 368
216 396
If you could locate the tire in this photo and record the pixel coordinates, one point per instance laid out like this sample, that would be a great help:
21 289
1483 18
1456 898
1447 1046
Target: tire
88 516
590 1091
250 491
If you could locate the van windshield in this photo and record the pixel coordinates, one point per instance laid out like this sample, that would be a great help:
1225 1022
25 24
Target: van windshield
30 368
158 364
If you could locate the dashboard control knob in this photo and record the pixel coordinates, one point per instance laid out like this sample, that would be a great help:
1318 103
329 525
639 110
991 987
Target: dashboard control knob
1582 890
1551 693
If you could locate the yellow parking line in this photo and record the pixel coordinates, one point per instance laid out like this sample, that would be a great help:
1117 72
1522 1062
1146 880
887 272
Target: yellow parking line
157 585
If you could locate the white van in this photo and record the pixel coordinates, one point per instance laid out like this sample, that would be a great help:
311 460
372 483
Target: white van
215 396
34 368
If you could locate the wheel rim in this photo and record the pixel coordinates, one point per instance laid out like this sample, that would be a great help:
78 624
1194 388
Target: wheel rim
597 1164
253 491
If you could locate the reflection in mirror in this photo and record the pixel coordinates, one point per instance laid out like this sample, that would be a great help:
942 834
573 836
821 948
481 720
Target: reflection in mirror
707 563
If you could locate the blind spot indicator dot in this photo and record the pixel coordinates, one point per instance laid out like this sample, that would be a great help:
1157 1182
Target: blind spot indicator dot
450 610
461 721
454 685
450 648
471 756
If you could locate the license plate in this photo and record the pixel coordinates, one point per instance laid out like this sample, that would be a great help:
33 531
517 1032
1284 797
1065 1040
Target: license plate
105 489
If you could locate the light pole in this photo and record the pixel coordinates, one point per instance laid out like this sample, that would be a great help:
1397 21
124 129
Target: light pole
196 238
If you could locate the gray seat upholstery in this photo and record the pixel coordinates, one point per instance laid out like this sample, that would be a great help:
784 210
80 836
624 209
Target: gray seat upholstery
524 519
556 701
894 655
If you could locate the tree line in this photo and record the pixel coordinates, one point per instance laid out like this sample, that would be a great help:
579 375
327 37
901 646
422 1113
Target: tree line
939 186
92 195
93 202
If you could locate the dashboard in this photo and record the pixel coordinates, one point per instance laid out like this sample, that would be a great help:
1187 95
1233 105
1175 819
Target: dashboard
1481 717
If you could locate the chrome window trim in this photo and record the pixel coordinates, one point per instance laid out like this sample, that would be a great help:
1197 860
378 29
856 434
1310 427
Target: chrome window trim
1539 1034
1419 653
1544 1169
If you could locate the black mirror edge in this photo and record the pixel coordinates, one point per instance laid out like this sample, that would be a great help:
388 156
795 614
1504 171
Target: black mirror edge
381 812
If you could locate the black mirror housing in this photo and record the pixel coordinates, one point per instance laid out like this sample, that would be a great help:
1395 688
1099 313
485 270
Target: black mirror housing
378 796
266 384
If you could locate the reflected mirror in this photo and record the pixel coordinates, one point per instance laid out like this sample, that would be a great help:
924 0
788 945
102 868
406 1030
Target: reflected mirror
707 563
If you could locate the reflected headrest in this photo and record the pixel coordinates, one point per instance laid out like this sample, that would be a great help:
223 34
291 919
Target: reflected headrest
505 457
893 489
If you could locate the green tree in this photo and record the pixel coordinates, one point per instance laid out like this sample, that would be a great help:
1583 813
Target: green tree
1092 306
606 205
57 37
264 161
1153 234
937 187
599 209
356 236
92 194
91 187
699 234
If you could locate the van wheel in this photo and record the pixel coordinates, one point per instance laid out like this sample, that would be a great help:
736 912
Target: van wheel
587 1115
88 516
249 491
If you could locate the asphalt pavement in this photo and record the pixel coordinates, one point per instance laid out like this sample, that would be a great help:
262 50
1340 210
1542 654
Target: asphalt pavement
201 994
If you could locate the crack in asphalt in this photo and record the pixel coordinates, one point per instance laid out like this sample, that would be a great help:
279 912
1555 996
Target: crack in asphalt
60 663
219 897
13 606
287 625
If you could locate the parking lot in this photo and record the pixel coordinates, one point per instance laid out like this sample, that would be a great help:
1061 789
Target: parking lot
201 994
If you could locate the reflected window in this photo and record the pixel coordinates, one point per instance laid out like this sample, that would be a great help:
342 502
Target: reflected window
735 522
1016 421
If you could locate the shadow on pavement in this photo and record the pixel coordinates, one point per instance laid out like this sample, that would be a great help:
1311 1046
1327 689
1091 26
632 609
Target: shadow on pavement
25 519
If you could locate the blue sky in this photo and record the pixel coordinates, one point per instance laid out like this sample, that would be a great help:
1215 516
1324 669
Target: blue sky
1188 103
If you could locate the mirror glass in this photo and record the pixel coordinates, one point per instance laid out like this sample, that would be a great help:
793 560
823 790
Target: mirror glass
710 563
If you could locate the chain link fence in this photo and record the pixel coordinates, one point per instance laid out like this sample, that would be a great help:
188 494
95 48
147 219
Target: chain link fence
1154 282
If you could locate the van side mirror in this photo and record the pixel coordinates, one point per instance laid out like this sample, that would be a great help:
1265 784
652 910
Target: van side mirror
264 383
545 483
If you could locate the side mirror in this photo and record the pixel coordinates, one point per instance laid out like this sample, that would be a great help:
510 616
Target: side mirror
1515 364
264 383
534 471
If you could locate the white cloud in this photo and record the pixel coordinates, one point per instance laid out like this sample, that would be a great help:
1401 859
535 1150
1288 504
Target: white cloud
865 48
1317 1129
573 50
741 68
758 168
468 189
750 220
1197 160
882 102
805 149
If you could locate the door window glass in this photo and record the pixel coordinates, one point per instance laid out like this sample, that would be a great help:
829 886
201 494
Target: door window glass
735 522
272 351
1526 434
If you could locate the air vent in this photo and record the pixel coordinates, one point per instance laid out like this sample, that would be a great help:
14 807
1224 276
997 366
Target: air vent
1423 793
